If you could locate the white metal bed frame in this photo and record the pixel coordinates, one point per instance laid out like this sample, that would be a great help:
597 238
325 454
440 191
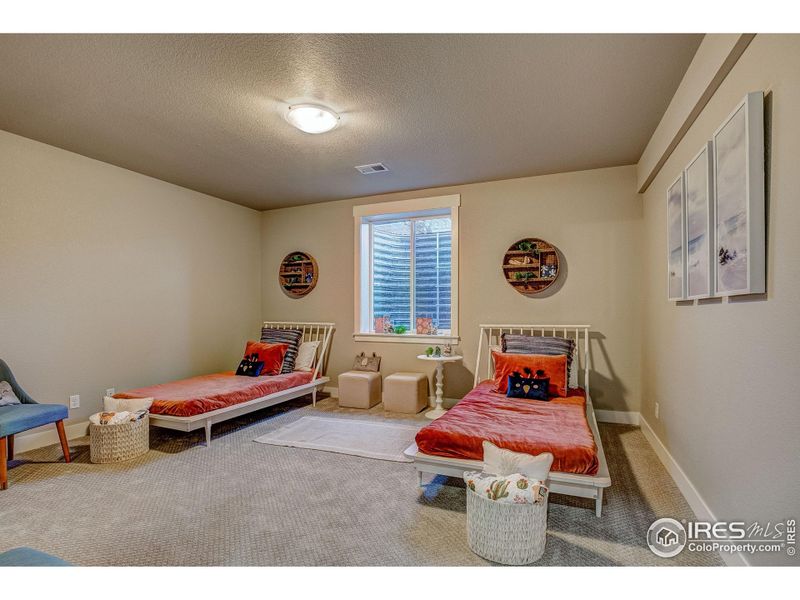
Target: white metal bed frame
572 484
312 332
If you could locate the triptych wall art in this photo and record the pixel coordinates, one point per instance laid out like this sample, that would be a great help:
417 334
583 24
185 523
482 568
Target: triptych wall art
716 217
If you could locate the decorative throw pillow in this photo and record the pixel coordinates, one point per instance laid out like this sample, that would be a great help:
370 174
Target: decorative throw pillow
306 356
271 355
529 386
7 395
537 344
554 367
290 337
515 488
499 461
111 404
250 366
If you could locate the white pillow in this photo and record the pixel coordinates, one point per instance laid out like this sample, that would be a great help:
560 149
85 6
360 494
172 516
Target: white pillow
306 356
499 461
126 404
7 395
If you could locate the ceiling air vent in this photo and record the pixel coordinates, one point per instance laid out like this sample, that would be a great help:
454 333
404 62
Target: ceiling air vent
373 168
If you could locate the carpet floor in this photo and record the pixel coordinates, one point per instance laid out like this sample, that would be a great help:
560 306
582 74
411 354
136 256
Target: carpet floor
243 503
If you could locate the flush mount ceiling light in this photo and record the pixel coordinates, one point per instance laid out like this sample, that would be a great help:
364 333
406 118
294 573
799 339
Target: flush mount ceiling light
312 118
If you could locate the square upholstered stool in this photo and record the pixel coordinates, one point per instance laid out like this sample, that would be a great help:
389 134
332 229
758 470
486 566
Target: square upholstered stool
405 393
359 389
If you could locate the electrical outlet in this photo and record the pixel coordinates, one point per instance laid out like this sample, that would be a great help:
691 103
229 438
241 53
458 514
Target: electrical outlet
656 411
75 401
111 391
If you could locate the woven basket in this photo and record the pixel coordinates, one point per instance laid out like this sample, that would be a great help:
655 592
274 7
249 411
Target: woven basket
510 534
118 443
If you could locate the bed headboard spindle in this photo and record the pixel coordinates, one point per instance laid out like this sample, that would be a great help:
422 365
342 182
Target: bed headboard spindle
490 338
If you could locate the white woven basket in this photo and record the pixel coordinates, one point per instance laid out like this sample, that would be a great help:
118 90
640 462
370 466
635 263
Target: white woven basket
510 534
118 443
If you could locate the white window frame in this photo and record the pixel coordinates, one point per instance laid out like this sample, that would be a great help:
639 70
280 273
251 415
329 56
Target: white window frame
400 209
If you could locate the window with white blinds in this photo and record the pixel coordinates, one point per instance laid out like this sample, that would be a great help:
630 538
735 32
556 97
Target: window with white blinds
406 270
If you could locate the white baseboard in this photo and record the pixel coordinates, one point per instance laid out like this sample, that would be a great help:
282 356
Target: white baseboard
624 417
696 502
46 437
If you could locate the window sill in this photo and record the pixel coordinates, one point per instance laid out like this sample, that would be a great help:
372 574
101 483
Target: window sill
407 338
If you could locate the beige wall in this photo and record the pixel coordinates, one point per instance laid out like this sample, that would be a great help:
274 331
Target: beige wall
593 217
724 373
113 279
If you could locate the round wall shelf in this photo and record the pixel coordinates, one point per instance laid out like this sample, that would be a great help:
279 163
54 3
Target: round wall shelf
530 266
298 274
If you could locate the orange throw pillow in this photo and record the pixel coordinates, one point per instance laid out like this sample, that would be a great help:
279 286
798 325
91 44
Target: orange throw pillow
271 354
554 367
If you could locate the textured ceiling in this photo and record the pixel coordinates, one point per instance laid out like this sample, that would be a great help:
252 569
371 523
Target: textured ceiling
206 111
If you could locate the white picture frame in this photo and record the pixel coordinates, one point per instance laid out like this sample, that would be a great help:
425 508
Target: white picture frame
676 240
739 204
699 191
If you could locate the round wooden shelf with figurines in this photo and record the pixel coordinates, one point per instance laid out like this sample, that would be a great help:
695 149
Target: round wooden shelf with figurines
530 265
298 274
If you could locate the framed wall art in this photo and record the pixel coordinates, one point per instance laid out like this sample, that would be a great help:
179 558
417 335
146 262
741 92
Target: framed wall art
699 183
676 241
740 219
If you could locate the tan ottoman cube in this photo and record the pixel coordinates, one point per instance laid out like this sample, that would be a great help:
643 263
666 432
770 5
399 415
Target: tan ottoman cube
405 393
359 389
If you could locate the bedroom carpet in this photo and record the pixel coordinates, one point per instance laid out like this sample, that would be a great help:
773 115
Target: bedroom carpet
243 503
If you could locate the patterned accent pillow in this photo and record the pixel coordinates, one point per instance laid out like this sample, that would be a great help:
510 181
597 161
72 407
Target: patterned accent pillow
537 344
7 395
290 337
509 489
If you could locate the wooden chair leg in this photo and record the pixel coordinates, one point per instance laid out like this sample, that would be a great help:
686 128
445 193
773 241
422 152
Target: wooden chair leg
62 435
11 447
3 464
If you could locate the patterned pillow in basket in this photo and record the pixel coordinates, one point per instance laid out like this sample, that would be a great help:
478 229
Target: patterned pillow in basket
510 489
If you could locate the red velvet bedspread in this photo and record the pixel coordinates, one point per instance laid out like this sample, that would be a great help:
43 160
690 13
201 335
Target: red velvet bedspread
197 395
558 426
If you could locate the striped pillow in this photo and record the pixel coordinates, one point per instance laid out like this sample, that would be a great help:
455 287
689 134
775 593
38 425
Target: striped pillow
536 344
290 337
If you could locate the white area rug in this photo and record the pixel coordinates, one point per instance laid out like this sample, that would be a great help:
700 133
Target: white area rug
384 441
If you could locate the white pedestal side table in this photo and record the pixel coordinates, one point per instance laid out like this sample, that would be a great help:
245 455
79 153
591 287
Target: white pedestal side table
439 360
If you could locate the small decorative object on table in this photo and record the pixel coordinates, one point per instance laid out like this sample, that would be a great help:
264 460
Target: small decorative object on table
429 351
438 351
448 350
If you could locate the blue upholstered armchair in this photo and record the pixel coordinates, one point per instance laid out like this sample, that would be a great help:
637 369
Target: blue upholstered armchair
21 417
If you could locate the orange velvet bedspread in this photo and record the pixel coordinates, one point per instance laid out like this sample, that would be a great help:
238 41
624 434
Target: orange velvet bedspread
197 395
558 426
